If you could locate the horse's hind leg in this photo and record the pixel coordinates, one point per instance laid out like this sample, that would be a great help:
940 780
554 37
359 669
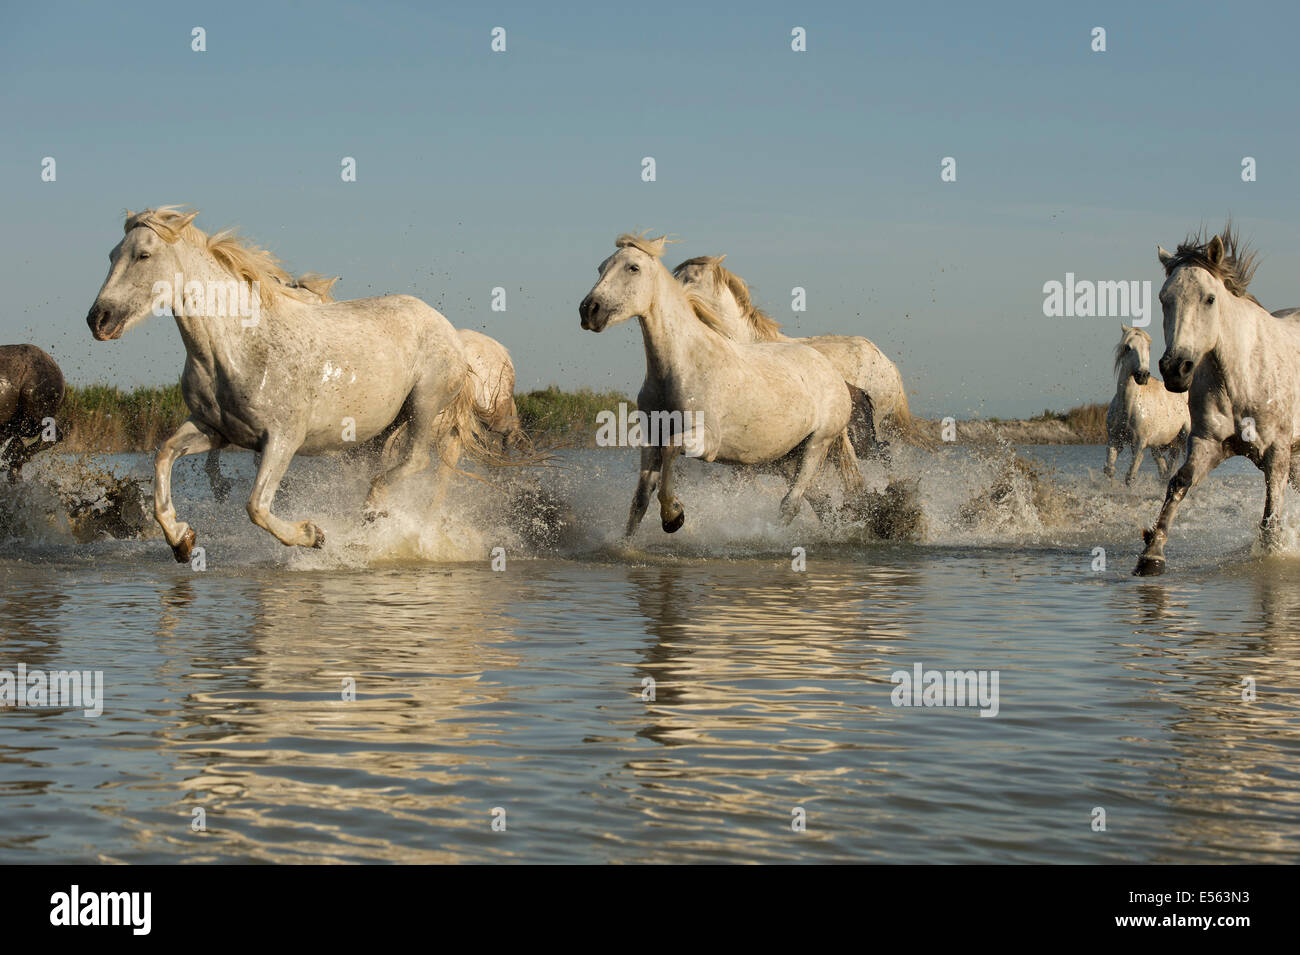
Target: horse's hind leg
647 480
219 483
814 453
19 452
449 452
276 455
188 439
412 453
1112 452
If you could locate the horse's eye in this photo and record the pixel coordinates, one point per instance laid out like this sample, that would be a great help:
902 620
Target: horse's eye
1210 300
144 255
634 268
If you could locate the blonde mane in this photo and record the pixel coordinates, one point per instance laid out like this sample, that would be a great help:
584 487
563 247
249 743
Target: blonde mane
653 247
238 256
766 328
1122 348
702 308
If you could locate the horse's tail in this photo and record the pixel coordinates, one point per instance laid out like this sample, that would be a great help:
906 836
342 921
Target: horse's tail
468 422
515 437
844 458
902 424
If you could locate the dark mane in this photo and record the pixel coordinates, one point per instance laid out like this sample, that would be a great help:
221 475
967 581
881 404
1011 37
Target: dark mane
1234 270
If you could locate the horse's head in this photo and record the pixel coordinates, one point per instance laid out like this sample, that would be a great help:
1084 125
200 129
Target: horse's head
140 260
703 274
626 287
1201 278
706 278
1134 353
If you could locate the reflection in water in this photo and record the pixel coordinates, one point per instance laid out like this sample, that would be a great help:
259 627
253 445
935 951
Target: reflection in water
523 689
1223 752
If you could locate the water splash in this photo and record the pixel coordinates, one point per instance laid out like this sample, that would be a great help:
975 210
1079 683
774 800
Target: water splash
74 498
949 497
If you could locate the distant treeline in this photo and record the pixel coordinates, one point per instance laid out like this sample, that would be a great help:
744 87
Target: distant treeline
101 418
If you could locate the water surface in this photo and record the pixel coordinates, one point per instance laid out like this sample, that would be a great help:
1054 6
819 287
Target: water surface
522 689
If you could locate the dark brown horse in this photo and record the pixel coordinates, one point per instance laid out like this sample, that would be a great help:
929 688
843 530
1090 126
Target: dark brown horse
31 390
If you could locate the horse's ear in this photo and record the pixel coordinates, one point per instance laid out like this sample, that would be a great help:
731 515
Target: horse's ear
1124 328
1215 250
1165 257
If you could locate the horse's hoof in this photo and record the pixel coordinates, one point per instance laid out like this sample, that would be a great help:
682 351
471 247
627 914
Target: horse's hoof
674 525
183 550
1149 566
371 516
319 536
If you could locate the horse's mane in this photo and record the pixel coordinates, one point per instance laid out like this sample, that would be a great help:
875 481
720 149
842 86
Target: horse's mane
237 255
1122 347
702 308
1234 270
766 328
653 247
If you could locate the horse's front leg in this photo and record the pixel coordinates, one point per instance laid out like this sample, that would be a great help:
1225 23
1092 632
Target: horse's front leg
189 438
647 480
671 513
813 455
1138 451
1277 469
219 483
276 455
1164 458
1112 452
1203 457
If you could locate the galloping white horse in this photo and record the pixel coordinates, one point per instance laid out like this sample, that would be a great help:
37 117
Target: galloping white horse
880 401
1241 367
293 376
1143 414
492 375
771 403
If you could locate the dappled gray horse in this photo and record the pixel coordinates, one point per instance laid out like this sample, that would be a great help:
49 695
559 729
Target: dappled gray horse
1241 368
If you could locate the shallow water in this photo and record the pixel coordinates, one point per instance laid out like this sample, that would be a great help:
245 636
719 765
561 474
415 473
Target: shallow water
522 689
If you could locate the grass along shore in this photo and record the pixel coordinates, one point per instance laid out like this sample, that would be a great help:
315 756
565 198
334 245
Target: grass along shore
108 420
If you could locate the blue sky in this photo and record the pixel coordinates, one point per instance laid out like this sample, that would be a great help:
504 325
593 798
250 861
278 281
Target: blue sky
816 169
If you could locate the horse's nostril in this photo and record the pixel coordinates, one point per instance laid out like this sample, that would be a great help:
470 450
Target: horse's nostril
1185 368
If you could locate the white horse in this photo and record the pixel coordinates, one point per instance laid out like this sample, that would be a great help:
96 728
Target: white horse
778 404
494 385
292 376
1143 414
1241 367
880 402
492 375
